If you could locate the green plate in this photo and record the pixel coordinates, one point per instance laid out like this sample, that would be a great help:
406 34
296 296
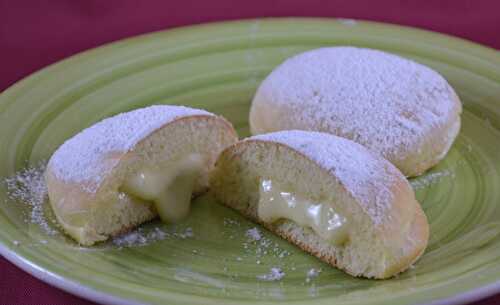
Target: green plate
218 67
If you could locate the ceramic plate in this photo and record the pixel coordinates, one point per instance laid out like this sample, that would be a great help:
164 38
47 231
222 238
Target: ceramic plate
210 259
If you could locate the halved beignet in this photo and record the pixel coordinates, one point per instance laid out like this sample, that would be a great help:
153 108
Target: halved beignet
131 167
329 196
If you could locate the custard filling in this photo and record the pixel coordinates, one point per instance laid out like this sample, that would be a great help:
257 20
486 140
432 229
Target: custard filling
169 186
275 203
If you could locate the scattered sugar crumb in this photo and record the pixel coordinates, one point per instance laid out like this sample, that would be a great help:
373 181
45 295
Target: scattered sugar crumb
283 254
262 246
275 274
254 234
312 273
231 222
158 234
28 186
16 243
134 238
430 179
188 233
139 237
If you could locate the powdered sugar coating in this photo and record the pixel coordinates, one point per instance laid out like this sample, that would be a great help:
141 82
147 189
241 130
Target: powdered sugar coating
382 101
275 274
81 158
366 176
28 186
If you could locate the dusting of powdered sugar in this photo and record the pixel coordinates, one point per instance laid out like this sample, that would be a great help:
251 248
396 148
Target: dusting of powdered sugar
257 247
141 237
254 234
366 176
28 186
430 179
88 156
380 100
312 274
275 274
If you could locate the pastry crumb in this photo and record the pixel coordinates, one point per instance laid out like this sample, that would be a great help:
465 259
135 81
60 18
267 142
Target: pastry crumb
28 187
254 234
312 273
275 274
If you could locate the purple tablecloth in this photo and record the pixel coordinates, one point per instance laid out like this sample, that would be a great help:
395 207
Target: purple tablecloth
34 34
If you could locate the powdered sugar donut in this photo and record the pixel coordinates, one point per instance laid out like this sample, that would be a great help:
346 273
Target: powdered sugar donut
398 108
329 196
132 167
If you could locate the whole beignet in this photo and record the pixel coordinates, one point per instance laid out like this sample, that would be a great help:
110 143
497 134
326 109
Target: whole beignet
398 108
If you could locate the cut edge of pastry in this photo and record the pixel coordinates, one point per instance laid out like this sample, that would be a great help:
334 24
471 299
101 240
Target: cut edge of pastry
108 211
387 249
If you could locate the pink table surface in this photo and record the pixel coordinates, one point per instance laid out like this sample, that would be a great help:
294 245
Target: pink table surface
34 34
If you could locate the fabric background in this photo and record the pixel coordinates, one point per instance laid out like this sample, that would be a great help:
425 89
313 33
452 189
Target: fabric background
34 34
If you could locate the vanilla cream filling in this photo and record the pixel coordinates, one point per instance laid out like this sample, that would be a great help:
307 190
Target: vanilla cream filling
276 203
168 186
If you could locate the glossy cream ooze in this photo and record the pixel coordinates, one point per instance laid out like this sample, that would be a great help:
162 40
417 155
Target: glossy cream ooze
169 186
276 203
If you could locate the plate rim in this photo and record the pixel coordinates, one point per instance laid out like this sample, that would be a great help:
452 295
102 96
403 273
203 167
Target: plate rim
88 293
478 46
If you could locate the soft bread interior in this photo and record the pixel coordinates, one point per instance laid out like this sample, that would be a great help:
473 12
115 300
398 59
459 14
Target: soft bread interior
92 217
369 251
